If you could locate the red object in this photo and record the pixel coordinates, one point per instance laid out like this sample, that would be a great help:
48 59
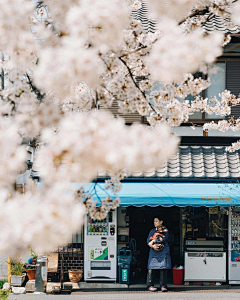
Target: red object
177 276
156 236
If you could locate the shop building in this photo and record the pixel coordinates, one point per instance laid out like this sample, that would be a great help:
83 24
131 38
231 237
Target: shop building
192 207
194 194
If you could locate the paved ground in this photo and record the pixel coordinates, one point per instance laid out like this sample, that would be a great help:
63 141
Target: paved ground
133 295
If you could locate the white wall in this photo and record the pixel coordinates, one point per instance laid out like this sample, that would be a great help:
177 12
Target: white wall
188 131
198 131
226 133
3 267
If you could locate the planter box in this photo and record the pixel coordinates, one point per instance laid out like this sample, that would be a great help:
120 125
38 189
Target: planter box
17 280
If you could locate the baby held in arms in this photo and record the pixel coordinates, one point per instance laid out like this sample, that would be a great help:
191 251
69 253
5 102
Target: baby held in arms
158 236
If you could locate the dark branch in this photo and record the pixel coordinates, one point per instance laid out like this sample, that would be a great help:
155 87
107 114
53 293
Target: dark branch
34 89
136 85
198 12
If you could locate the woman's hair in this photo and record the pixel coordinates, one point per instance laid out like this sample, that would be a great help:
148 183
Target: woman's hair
160 219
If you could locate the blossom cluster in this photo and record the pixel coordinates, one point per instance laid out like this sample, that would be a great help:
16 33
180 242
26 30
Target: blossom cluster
234 147
135 147
13 156
42 218
168 60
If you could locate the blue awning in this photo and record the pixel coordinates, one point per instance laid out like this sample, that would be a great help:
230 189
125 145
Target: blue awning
170 194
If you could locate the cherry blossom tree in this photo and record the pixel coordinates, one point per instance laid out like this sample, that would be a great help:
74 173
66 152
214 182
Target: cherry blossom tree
61 61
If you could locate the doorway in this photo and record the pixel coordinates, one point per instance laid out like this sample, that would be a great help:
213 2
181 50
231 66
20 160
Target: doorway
140 223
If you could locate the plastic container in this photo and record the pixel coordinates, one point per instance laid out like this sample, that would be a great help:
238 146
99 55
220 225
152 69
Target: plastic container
124 263
178 276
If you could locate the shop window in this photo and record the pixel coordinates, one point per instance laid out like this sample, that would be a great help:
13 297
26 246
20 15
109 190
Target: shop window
203 222
217 76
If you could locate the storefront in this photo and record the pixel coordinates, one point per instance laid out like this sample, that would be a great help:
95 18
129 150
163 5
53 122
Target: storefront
196 211
183 223
190 211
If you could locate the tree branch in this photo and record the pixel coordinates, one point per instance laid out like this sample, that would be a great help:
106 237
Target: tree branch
135 83
34 89
198 12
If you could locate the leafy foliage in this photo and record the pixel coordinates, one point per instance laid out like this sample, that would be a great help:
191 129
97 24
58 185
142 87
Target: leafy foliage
4 294
2 283
17 268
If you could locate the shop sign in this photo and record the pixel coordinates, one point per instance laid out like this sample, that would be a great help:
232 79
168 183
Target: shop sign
217 198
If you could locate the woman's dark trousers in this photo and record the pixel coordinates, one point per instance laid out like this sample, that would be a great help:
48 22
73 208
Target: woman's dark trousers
163 277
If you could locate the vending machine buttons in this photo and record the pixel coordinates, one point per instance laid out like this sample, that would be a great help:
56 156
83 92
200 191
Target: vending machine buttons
112 229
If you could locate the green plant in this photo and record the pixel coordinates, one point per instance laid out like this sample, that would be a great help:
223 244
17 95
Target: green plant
4 295
2 283
33 254
17 268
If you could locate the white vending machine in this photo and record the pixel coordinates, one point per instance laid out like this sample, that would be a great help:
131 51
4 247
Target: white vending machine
234 245
100 248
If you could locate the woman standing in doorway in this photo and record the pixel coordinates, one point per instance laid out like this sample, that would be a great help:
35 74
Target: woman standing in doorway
159 255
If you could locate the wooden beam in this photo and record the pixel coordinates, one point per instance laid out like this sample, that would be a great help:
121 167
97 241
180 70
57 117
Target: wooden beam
9 269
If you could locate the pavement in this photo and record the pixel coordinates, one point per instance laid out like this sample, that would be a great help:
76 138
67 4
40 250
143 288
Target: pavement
139 292
132 296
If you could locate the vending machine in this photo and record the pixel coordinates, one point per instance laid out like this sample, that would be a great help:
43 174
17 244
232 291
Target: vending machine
205 260
234 245
100 248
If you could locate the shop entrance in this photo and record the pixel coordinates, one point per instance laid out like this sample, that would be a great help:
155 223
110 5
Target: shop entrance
140 223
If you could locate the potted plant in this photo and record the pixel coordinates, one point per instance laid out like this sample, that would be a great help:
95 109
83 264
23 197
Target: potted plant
34 257
17 272
31 271
75 275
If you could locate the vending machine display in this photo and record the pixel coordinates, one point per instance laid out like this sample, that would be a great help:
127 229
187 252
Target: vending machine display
234 246
100 251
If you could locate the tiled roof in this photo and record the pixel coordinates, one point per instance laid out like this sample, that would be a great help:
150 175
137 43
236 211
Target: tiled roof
206 162
214 23
142 15
196 162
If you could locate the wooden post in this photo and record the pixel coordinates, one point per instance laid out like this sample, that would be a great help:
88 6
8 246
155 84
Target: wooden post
9 269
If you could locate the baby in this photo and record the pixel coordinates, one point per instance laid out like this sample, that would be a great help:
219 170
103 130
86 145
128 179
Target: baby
158 235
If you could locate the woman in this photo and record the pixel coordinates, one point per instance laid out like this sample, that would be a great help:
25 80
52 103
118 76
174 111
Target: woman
159 256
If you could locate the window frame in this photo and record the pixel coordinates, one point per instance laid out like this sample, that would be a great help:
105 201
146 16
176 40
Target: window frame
204 119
